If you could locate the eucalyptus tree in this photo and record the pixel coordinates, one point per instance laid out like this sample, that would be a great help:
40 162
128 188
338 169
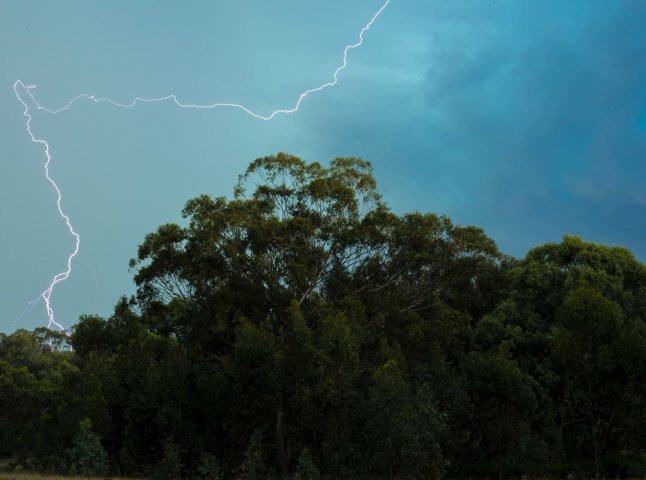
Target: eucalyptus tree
295 291
575 321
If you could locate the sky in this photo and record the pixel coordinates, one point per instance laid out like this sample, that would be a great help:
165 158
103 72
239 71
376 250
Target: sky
527 119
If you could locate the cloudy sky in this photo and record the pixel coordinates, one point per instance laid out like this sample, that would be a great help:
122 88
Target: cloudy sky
527 118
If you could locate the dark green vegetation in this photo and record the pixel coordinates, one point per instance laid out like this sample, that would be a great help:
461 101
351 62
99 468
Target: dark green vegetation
304 329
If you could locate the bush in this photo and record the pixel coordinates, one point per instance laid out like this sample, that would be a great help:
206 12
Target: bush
253 466
87 456
305 468
209 468
170 466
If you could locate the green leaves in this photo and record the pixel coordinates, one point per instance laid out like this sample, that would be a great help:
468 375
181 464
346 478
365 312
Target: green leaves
302 329
567 323
87 457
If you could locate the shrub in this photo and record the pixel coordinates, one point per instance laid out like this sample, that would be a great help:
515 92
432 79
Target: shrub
305 468
170 466
87 456
253 465
209 468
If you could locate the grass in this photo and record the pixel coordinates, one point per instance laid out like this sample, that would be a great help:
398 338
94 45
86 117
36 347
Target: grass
32 476
20 474
38 476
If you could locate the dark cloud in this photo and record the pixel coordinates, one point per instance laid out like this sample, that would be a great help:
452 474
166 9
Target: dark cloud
527 119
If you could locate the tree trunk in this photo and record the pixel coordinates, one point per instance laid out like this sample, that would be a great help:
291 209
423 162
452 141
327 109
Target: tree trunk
281 455
595 444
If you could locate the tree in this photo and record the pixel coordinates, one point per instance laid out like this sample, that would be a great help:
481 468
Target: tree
574 322
254 466
285 292
504 404
597 373
87 457
282 242
305 468
301 330
19 404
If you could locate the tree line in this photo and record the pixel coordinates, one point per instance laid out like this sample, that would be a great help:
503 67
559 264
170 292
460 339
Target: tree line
301 329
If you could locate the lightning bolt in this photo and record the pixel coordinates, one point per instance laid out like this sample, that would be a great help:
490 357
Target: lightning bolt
59 277
19 87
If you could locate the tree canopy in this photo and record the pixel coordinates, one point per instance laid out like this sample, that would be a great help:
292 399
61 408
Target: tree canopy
303 329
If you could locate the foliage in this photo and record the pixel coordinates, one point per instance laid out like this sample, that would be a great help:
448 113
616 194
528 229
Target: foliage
301 329
209 468
87 457
170 466
253 466
305 468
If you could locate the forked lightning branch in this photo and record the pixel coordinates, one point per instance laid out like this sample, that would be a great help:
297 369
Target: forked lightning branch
25 95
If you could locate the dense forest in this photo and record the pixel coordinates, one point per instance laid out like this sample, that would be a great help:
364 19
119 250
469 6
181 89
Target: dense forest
303 330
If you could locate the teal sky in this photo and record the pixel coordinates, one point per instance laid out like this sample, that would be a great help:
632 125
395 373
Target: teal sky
526 118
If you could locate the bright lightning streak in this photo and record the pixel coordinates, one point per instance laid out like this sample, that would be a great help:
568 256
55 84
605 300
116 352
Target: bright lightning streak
62 276
59 277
